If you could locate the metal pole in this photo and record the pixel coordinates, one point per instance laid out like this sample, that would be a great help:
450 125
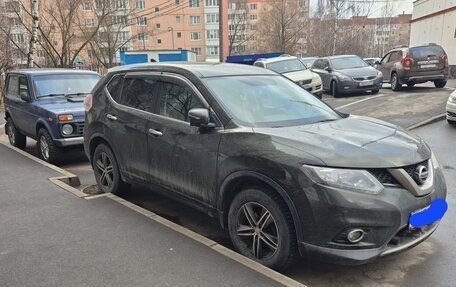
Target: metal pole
221 32
171 29
34 36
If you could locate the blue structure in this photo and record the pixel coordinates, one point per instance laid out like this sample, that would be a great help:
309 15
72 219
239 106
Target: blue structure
135 57
250 59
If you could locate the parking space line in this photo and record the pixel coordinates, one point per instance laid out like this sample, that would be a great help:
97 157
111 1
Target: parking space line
363 100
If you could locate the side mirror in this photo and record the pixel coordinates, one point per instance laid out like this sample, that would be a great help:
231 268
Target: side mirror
328 69
25 97
377 63
199 117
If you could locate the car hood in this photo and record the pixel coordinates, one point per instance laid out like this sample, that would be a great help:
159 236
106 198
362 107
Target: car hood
353 142
299 75
359 72
60 106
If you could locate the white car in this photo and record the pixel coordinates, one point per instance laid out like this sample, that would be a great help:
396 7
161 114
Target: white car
451 108
292 68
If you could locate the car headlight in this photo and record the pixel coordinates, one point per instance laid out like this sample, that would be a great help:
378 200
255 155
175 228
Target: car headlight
379 74
343 77
349 179
452 98
434 161
67 129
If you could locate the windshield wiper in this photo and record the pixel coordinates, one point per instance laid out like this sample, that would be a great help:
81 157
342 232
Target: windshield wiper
75 94
52 95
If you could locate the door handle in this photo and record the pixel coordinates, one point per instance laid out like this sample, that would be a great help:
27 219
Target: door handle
111 117
155 133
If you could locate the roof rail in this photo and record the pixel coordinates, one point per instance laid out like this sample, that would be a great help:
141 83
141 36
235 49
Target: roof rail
401 46
432 44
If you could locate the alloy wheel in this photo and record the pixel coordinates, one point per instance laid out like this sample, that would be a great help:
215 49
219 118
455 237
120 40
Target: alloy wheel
44 148
106 171
11 134
257 229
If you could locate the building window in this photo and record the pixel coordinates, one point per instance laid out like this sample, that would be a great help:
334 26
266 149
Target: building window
86 6
157 25
193 3
197 51
143 37
124 36
157 9
195 20
40 54
117 20
212 3
141 4
178 19
120 4
212 50
18 38
253 17
253 6
141 21
179 34
177 2
212 18
212 34
159 41
253 27
89 22
195 36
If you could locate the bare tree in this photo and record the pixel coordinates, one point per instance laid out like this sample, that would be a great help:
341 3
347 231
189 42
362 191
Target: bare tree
281 26
237 24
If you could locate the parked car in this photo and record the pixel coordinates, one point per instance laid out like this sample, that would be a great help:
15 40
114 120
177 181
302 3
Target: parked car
308 61
292 68
451 108
372 61
47 105
283 171
415 65
347 74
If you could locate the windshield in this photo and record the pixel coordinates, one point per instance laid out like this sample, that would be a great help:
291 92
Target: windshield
351 62
268 101
64 84
286 66
308 61
426 51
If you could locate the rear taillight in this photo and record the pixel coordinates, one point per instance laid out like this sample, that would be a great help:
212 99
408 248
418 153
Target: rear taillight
88 102
445 60
407 63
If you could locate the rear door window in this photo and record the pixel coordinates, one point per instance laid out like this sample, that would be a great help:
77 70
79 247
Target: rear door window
395 56
386 58
13 86
426 51
23 86
177 99
140 92
115 87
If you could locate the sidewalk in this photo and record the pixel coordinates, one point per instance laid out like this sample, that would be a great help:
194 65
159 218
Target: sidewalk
48 237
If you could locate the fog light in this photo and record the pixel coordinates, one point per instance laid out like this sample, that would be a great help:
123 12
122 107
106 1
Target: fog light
355 235
67 129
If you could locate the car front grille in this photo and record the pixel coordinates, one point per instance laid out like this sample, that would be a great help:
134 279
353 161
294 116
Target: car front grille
364 78
79 128
450 114
384 177
410 169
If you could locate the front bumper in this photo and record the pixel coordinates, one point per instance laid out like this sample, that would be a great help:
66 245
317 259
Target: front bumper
69 141
383 217
352 86
451 111
315 87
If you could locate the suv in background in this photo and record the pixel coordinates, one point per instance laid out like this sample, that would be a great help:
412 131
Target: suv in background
47 105
281 170
415 65
295 70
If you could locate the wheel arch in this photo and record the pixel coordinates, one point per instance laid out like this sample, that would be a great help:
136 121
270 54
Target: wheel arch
96 140
237 181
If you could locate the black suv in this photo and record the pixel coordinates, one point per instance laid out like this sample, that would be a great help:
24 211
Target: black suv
284 172
415 65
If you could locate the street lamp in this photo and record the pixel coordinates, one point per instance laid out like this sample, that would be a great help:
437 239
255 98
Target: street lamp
171 29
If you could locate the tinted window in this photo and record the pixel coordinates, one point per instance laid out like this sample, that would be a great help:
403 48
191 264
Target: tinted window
350 62
176 100
286 66
268 101
114 87
140 93
395 56
426 51
13 86
64 84
318 64
386 58
23 86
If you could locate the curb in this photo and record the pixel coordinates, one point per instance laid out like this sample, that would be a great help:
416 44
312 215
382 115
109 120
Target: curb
427 122
68 179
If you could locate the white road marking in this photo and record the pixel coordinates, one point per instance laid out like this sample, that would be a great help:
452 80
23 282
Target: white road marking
2 126
363 100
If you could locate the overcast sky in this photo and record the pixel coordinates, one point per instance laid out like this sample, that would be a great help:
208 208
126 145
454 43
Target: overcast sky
399 5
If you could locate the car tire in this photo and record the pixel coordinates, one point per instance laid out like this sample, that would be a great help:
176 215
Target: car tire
261 228
375 92
47 149
107 172
334 89
395 84
15 138
410 85
439 84
453 123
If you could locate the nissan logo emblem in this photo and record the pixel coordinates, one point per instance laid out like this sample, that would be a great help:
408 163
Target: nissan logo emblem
421 174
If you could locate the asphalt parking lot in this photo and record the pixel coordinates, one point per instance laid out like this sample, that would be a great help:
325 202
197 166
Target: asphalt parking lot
426 265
